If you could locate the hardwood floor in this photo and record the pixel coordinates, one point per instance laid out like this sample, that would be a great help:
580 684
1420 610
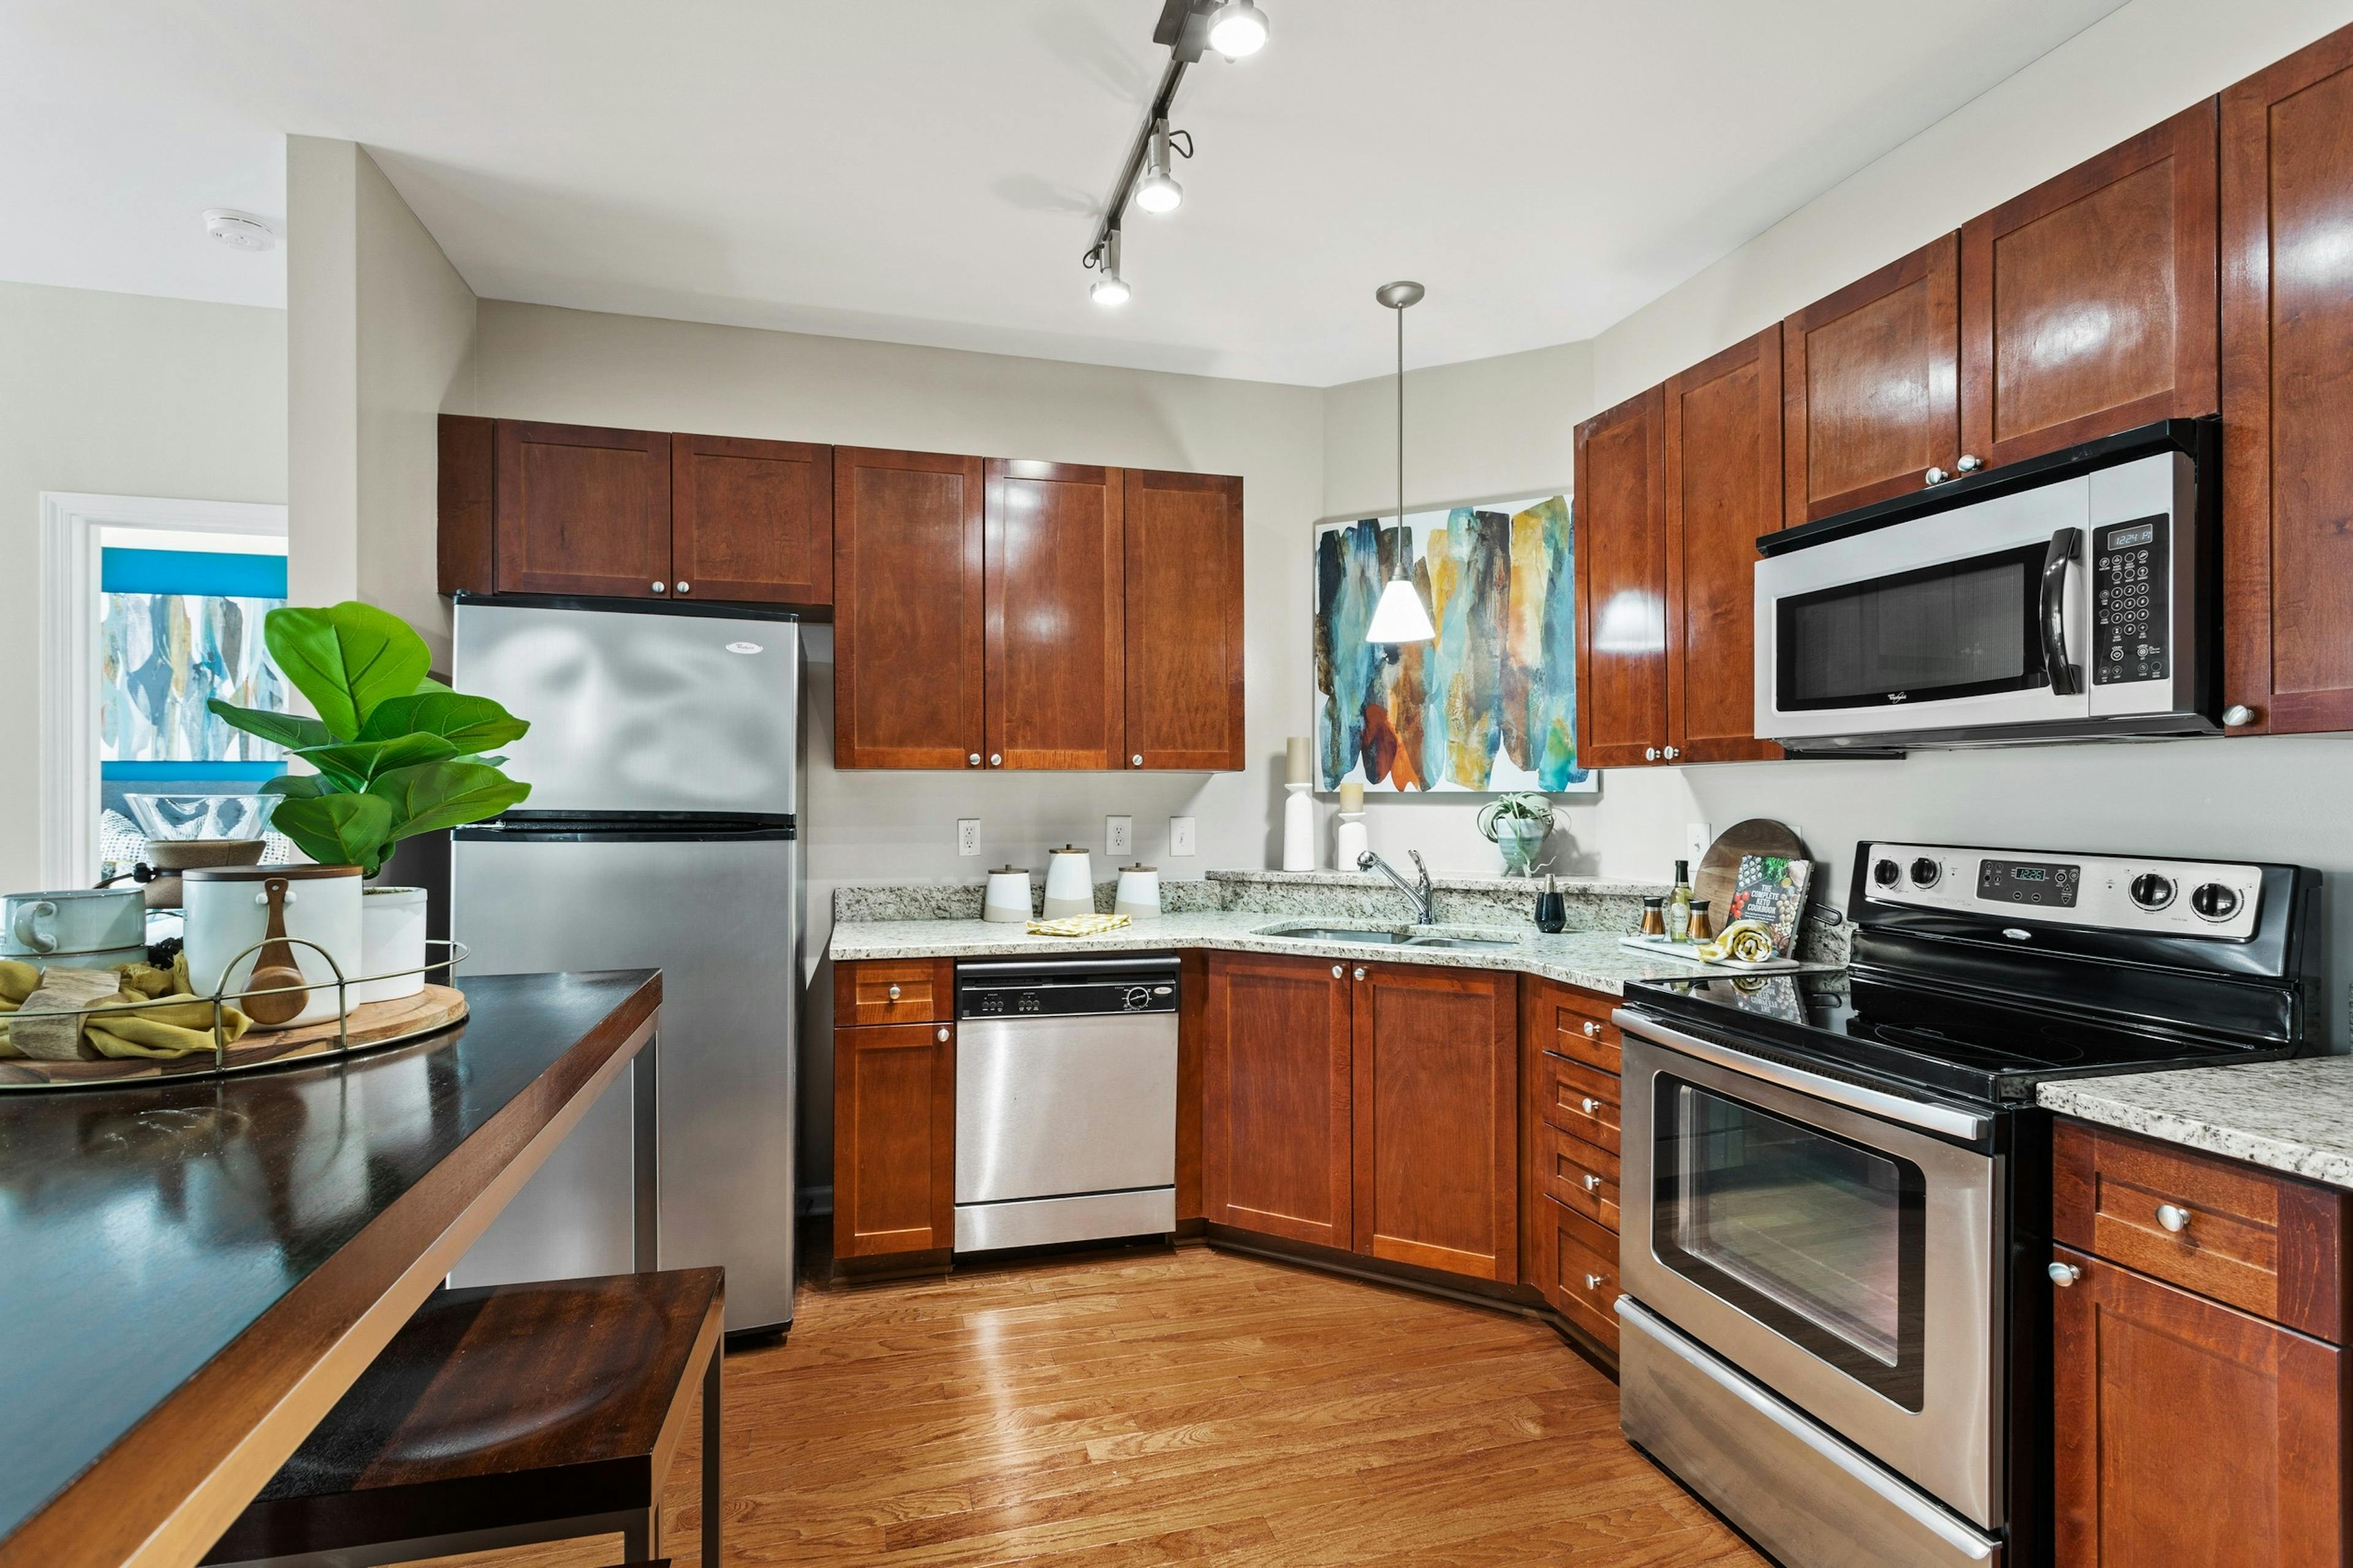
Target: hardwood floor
1190 1406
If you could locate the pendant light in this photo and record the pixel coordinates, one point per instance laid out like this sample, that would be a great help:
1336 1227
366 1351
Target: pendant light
1400 616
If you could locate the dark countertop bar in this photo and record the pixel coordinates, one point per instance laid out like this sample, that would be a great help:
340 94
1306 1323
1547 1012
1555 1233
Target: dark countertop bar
192 1272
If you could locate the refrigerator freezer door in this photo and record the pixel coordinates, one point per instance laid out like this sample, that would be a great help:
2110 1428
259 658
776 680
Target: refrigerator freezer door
718 918
639 713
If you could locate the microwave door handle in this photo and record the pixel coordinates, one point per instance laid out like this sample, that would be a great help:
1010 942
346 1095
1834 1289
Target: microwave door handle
2066 680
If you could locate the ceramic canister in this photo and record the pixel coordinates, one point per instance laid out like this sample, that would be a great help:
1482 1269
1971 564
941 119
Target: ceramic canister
78 920
392 945
1139 893
1008 894
227 911
1070 882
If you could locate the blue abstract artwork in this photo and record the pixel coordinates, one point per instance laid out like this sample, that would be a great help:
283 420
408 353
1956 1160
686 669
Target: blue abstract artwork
162 657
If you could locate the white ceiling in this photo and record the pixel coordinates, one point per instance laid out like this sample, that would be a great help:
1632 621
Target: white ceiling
927 171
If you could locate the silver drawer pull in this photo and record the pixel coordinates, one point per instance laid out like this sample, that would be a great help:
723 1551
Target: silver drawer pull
1593 1281
1592 1030
2064 1274
1335 972
1592 1106
942 1036
1361 971
894 994
1592 1183
2173 1218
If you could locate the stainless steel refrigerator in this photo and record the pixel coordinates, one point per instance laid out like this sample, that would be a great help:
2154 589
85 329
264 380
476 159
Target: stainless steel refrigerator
660 831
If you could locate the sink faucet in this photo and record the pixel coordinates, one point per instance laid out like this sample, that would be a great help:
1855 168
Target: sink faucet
1368 861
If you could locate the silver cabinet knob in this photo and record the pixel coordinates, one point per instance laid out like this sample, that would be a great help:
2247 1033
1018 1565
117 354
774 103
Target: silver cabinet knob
1935 477
1969 464
1650 753
942 1036
2063 1274
894 994
1136 761
2173 1218
1674 752
1592 1106
1335 972
995 759
682 587
659 588
973 761
1361 971
1593 1281
2239 713
1592 1029
1592 1183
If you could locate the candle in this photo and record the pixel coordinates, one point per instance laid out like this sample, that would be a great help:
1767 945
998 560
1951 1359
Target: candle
1352 795
1296 758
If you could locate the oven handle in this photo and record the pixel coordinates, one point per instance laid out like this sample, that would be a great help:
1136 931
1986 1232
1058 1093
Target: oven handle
2066 679
1929 1117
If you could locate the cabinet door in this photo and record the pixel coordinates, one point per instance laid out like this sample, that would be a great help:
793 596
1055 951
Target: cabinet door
1274 1098
1723 489
1437 1106
1868 400
2087 304
893 1139
1184 621
2185 1432
583 511
751 521
1622 585
907 616
2287 391
1052 692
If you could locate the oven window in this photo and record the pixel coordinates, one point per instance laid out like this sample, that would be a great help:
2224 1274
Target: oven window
1818 1238
1959 629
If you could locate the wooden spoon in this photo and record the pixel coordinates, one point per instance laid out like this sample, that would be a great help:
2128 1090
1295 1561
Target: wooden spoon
274 967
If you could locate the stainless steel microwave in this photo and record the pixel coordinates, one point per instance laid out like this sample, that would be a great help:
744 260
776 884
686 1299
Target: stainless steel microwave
2072 596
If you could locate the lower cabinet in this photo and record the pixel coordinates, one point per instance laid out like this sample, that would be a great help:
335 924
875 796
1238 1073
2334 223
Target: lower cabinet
1275 1097
1570 1153
893 1139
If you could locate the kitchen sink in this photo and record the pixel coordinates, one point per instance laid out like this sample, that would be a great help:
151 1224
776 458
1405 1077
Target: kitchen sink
1405 937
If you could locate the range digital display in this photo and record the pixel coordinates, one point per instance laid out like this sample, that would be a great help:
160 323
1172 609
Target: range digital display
2049 883
2031 873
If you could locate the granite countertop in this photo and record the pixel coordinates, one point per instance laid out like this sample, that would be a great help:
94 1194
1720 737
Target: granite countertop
2294 1116
1594 960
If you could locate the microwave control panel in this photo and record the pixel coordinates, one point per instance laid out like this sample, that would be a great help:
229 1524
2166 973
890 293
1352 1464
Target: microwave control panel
2130 574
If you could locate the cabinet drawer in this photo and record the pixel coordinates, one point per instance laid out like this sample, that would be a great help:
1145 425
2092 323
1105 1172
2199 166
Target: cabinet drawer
1579 1099
1581 1277
1578 1174
1572 1024
2265 1243
893 991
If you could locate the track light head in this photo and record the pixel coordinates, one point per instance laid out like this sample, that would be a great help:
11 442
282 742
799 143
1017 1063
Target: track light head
1238 28
1157 191
1110 291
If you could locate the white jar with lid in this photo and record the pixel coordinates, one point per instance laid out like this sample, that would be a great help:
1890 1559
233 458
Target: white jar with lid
1070 882
1139 893
1008 897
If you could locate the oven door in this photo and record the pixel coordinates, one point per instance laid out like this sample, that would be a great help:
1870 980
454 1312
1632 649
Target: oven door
1834 1242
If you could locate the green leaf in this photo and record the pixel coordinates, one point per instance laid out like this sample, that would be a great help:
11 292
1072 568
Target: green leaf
467 723
434 796
338 830
298 786
346 658
357 763
292 730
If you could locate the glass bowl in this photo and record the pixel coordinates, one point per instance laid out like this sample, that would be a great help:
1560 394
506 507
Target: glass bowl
180 816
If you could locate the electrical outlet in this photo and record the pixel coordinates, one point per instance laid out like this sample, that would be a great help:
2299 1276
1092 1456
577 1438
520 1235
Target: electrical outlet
967 836
1119 834
1697 838
1180 835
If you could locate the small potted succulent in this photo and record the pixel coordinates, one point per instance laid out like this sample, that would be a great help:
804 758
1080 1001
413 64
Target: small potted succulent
1517 825
396 753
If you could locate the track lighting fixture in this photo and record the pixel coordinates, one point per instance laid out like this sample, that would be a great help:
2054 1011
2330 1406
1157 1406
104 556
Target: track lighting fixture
1237 29
1158 191
1111 290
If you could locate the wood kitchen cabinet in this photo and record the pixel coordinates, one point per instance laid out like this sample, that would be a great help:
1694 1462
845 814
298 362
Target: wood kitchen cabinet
2087 303
894 1109
1570 1152
1054 559
1621 584
2287 391
1183 621
582 510
1724 490
751 521
908 609
1276 1091
1436 1064
1870 386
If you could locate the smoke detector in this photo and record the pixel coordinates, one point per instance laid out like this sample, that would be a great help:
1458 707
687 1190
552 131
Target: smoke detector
239 231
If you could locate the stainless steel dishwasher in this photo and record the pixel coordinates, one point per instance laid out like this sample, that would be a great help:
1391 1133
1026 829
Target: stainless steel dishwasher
1066 1100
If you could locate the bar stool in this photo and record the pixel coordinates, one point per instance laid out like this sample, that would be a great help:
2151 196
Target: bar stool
504 1416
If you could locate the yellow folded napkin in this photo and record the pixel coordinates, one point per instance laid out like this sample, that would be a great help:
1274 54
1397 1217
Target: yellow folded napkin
175 1024
1078 925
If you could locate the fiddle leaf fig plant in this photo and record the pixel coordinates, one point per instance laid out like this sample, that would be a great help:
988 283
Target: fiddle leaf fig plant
397 753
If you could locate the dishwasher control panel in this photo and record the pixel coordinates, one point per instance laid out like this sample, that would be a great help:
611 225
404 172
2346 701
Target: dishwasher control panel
1045 988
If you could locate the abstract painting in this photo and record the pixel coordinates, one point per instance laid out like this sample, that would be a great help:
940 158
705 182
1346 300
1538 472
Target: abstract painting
1491 704
162 656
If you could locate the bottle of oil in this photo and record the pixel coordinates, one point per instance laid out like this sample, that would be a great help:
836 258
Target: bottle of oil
1679 904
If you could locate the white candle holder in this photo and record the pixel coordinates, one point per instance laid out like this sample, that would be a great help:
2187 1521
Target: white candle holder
1298 829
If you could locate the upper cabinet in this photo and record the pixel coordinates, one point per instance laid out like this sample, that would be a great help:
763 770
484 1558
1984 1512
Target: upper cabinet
582 510
2087 304
1184 620
1055 563
908 619
1621 584
1870 386
751 521
1722 492
2287 391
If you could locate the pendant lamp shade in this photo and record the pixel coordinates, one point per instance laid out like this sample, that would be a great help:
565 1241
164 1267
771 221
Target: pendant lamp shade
1400 616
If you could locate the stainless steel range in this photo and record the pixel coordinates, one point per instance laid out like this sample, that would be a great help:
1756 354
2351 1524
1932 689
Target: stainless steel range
1837 1196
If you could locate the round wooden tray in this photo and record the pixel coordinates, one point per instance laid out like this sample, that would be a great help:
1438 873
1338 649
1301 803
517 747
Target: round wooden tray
372 1024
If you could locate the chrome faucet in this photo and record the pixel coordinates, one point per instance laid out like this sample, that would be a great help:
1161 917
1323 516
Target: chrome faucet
1421 895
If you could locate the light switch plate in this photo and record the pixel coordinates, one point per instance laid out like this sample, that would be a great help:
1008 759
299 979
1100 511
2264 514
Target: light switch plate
1697 838
1119 834
1180 835
967 836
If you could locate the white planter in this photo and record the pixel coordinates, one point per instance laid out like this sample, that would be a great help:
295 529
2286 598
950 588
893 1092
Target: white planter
227 910
392 938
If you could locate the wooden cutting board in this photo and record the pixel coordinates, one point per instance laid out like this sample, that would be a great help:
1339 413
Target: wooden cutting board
1719 869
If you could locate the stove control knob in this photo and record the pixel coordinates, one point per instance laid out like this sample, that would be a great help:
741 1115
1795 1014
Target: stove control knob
2214 901
1925 872
2151 891
1884 873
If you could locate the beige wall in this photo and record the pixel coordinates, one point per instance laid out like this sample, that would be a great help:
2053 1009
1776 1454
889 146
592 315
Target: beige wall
116 395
